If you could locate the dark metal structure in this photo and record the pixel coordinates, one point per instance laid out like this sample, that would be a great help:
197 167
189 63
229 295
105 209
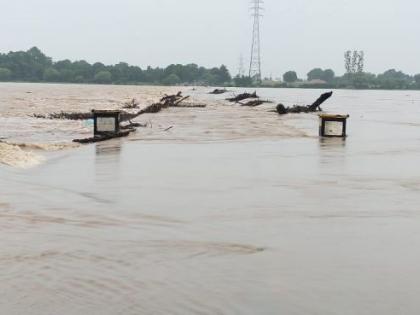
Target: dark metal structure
333 125
255 63
106 122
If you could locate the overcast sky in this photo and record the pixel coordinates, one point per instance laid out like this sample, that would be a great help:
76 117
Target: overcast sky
296 34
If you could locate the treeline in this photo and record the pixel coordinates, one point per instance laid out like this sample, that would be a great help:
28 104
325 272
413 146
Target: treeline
34 66
389 80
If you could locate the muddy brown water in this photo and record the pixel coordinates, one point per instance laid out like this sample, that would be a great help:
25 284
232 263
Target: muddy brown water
232 211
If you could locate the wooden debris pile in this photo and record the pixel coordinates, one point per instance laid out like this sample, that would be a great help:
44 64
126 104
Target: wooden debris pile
175 100
167 101
65 116
315 107
251 100
255 103
104 137
242 97
133 104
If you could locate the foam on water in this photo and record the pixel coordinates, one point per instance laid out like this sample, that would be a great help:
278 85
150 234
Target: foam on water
45 146
13 155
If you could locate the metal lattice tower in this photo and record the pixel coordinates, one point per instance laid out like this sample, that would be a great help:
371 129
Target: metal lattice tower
255 64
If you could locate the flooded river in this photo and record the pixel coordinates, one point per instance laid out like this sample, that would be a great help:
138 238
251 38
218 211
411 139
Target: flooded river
232 211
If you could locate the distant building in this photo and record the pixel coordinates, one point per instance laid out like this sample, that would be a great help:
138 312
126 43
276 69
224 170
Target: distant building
316 82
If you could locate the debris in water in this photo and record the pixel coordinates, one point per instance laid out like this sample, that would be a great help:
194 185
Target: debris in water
315 107
133 104
333 125
65 115
106 126
175 100
218 91
113 118
255 103
104 137
242 97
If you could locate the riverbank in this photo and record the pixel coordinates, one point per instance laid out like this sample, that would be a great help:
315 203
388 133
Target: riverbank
303 86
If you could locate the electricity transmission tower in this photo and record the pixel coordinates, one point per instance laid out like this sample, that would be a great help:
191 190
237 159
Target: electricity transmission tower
255 64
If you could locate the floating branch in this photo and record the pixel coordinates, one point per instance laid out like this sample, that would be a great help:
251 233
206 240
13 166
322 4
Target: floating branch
104 137
315 107
242 97
66 115
255 103
165 102
191 106
131 104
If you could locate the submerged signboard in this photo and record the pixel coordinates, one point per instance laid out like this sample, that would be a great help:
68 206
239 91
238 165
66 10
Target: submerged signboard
333 125
106 121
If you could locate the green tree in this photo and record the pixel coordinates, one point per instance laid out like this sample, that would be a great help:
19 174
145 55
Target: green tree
172 79
63 65
79 79
316 74
5 74
290 77
393 79
243 81
34 66
363 80
51 75
103 77
120 72
98 66
84 69
319 74
224 75
328 76
190 73
67 75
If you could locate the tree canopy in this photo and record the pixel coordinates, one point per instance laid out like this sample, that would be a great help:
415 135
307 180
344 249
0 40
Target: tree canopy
290 77
5 74
34 66
319 74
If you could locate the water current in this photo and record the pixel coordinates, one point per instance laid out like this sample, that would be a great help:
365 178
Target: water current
232 211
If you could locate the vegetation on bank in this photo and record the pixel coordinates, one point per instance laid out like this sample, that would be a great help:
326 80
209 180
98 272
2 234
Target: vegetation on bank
35 66
354 78
389 80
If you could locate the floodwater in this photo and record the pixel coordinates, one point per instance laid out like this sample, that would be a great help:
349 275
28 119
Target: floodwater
232 211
